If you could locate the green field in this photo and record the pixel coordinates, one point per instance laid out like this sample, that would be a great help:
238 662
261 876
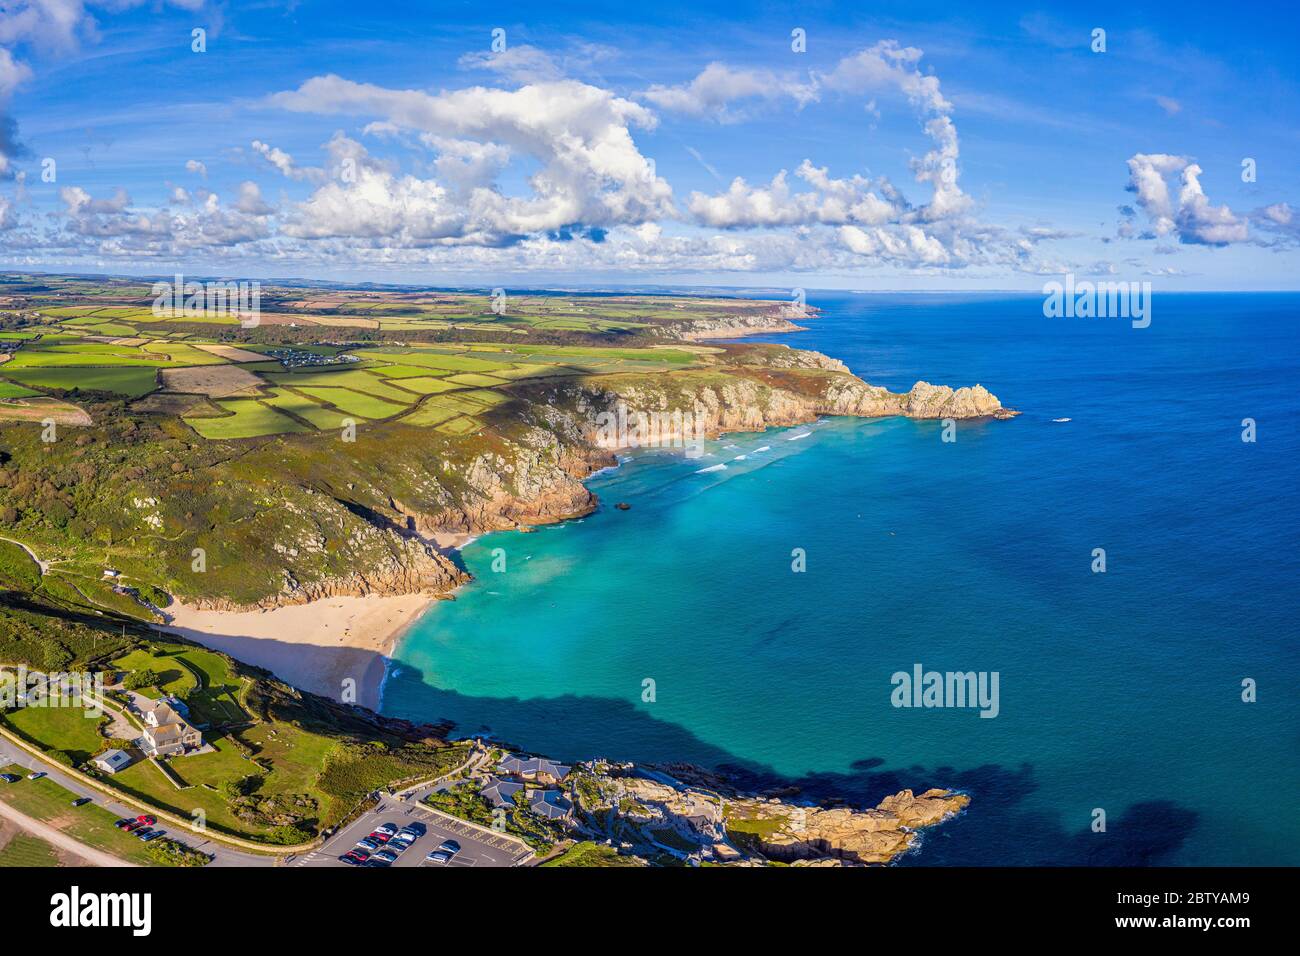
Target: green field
173 676
427 386
73 730
249 418
402 371
358 381
475 378
132 382
428 414
355 403
460 426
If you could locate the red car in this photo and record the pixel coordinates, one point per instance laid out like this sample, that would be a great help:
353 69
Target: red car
379 836
133 826
147 819
355 857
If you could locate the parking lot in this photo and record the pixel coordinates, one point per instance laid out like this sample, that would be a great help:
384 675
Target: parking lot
477 848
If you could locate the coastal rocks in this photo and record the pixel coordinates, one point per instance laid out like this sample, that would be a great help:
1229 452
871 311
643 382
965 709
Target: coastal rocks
694 815
788 833
940 401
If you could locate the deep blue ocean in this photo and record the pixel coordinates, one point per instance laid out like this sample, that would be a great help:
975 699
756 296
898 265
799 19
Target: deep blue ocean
1119 690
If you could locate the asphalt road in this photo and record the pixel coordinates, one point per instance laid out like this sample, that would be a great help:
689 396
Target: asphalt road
222 855
477 848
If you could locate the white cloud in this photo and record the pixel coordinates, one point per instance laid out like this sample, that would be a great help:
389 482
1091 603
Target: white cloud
285 164
518 64
712 93
592 175
1189 217
887 65
829 202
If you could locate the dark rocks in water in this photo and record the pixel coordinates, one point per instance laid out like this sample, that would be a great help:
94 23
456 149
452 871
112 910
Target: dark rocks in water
623 506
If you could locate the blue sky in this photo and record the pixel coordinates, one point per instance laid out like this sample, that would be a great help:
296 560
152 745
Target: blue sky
983 146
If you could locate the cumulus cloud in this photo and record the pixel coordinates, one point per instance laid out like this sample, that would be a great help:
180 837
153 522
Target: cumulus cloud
829 202
194 166
1188 216
285 164
714 91
591 175
114 227
885 66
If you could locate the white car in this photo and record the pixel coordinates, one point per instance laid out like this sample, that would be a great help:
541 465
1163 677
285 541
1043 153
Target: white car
36 776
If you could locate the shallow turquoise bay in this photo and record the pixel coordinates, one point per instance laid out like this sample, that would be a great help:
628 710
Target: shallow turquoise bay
1118 690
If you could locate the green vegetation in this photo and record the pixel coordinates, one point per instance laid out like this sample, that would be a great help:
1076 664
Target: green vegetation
248 418
354 403
170 853
73 731
47 801
132 382
27 851
588 853
465 801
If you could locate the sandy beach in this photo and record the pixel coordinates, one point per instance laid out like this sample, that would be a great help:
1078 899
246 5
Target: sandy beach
314 647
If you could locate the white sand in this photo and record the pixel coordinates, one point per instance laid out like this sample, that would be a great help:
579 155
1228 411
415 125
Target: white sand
314 647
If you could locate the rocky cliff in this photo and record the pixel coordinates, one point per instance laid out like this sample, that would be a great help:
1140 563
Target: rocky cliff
366 518
791 834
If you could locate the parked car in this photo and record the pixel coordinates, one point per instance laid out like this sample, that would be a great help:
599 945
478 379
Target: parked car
142 834
9 777
123 823
380 837
351 859
386 828
81 801
358 856
152 835
406 836
388 856
450 847
147 819
373 861
366 843
438 856
36 776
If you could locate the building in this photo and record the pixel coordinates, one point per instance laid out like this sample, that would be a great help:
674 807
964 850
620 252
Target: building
533 768
166 733
111 761
500 793
550 804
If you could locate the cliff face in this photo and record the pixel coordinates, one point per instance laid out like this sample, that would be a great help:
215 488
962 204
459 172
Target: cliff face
365 521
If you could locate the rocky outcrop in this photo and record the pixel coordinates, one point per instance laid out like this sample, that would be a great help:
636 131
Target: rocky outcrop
760 321
787 833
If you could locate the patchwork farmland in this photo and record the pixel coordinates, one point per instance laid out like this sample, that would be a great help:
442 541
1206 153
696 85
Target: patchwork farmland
233 390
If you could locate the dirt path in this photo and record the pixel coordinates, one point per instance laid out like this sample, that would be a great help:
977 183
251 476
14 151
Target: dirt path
59 839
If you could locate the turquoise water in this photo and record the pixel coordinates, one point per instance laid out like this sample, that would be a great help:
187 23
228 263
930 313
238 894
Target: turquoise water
1119 691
